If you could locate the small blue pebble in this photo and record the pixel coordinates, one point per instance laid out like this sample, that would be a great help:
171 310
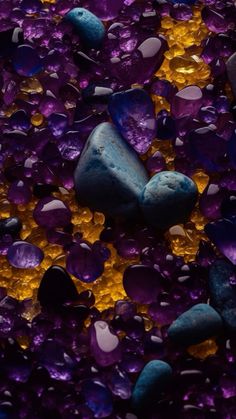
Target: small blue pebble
168 199
109 176
90 29
197 324
222 293
152 381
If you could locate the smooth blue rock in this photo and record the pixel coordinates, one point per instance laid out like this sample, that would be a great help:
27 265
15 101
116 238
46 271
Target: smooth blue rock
222 292
90 29
152 381
109 176
231 72
168 199
133 113
197 324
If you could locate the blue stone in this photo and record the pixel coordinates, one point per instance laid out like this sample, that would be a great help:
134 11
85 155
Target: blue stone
132 111
231 72
98 398
223 234
152 381
197 324
109 177
222 293
26 61
90 29
168 199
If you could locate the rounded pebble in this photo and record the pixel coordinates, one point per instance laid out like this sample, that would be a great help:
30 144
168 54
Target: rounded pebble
24 255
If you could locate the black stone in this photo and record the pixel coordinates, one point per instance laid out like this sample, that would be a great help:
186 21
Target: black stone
56 288
231 72
41 190
96 94
9 40
11 225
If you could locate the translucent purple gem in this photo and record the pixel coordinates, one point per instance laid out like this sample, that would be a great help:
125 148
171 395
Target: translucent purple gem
104 344
133 114
19 192
51 213
24 255
187 102
83 262
223 234
142 283
98 398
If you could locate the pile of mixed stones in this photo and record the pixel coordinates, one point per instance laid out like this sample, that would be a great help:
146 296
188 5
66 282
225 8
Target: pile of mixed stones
118 209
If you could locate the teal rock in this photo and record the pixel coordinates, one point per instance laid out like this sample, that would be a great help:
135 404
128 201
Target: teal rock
90 29
223 292
109 176
152 381
168 199
197 324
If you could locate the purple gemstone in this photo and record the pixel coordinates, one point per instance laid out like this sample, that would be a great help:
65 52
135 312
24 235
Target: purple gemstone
223 234
142 283
24 255
214 21
104 344
120 384
51 213
98 398
133 114
107 9
83 262
19 192
187 102
156 163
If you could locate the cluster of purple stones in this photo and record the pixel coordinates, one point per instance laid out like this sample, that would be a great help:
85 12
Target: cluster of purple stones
55 366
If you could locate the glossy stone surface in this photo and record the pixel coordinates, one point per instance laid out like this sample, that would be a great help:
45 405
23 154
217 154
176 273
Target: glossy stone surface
83 262
109 176
87 25
152 381
11 226
98 398
51 212
26 61
24 255
197 324
104 344
142 284
10 38
187 102
231 71
132 112
56 287
168 199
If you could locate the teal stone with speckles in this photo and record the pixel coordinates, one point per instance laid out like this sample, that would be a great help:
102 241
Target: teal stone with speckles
90 29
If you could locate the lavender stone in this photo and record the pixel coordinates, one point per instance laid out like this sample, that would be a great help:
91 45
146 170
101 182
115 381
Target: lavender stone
24 255
105 345
133 114
51 213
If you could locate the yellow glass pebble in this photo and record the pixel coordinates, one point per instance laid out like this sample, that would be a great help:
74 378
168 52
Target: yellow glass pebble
31 85
203 349
37 119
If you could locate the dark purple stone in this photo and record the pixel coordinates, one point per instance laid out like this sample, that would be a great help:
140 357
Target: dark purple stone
83 263
142 283
24 255
51 213
19 192
98 398
187 102
26 61
104 344
223 234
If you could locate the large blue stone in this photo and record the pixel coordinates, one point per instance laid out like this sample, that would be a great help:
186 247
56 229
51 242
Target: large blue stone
168 199
109 176
132 111
222 292
195 325
153 379
90 29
